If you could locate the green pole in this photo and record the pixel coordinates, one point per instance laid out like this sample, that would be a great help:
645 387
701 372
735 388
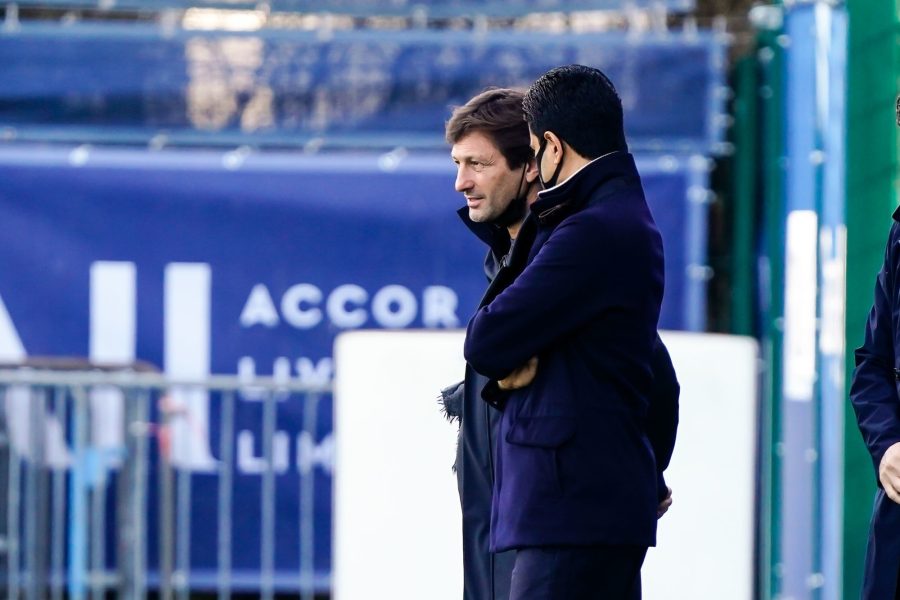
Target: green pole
771 92
743 194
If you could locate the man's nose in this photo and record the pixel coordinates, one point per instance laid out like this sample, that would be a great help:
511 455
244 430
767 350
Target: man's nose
463 181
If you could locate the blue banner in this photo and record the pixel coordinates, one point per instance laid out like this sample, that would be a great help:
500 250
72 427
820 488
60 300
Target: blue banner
287 251
434 8
139 84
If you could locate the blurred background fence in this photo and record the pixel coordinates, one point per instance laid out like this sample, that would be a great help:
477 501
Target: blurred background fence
97 499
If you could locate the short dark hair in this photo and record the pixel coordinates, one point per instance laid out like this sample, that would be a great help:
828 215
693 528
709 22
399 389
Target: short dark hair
581 106
496 112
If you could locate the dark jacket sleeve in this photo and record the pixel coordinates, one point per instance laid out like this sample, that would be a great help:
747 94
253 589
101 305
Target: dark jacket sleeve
452 398
562 289
662 414
873 391
451 401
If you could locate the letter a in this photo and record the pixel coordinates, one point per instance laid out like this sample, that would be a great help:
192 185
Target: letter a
259 309
11 348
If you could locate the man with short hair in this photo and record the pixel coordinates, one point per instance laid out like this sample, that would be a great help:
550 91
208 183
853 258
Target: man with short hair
874 396
497 174
568 345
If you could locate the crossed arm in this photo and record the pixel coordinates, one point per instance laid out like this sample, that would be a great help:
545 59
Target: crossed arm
873 392
566 285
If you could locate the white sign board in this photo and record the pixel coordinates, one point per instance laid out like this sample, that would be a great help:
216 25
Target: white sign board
397 518
397 521
705 542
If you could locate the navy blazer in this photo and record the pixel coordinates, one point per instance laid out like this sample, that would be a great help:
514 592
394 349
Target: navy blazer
574 464
873 394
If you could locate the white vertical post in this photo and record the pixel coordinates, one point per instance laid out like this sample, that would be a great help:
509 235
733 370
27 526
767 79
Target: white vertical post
188 288
113 306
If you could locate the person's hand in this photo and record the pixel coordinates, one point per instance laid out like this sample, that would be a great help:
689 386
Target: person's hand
889 472
665 504
521 377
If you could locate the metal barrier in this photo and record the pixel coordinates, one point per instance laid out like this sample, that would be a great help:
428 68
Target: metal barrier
77 446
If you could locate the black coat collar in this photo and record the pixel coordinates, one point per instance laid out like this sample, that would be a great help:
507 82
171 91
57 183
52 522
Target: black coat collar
575 192
495 236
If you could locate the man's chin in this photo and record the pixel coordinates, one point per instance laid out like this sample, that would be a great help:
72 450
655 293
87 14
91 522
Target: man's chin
477 216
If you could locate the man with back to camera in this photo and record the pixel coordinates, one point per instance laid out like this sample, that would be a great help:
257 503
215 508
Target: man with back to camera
497 174
873 393
569 346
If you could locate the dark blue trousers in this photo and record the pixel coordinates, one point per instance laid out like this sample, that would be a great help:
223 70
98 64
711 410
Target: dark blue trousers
578 573
486 575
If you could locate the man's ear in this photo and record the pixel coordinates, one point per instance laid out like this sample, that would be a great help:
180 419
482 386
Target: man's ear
555 148
531 170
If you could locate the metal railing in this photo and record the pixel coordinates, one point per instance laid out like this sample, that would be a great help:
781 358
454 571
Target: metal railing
78 445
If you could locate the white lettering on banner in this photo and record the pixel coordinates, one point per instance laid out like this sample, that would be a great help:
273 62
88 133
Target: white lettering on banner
113 312
320 373
113 341
337 306
247 461
292 310
259 309
393 307
246 369
187 338
18 403
309 454
246 374
186 355
107 424
312 373
281 369
11 348
439 305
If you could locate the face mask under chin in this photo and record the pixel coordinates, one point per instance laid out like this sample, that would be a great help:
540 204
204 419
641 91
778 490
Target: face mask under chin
514 212
549 183
517 207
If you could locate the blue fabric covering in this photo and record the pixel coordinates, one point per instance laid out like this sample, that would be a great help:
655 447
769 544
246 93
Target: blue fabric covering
109 83
436 8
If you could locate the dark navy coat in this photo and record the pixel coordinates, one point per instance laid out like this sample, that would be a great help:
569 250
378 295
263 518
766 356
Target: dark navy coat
873 394
574 464
487 576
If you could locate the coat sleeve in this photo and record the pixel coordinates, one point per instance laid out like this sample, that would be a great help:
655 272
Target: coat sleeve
452 398
873 391
586 266
662 414
451 401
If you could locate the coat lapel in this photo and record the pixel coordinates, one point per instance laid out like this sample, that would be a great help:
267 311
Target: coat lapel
515 264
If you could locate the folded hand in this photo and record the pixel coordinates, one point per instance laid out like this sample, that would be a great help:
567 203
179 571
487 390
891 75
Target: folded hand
665 504
521 377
